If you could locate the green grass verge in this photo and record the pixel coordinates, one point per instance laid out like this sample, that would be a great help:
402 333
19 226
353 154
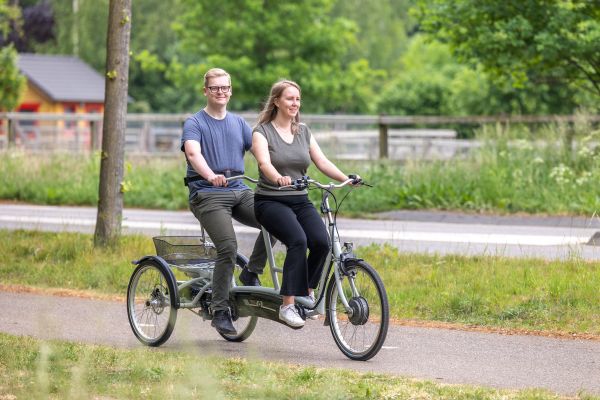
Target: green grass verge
498 292
35 369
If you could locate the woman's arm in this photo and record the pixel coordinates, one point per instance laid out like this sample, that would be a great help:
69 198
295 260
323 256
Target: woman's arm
260 149
323 163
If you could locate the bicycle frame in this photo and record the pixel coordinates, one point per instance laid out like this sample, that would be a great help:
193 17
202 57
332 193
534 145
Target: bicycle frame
335 256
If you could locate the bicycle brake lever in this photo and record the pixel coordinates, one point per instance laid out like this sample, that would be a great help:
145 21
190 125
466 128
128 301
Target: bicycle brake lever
301 183
356 180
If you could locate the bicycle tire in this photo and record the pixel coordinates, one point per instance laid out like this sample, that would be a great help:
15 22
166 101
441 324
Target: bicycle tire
244 325
360 334
151 303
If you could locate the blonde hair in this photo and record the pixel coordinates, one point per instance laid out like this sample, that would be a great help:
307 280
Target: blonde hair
269 111
215 73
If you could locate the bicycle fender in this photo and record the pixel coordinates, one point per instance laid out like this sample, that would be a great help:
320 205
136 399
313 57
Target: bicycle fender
172 282
348 262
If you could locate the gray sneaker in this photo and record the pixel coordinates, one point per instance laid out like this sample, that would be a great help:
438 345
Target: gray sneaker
290 316
311 298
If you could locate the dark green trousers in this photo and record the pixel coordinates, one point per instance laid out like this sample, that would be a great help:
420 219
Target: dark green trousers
215 211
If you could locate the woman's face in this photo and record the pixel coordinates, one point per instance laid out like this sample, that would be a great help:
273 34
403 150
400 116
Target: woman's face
289 102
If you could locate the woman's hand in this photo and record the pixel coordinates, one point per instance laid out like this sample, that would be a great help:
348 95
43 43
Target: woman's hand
356 179
284 181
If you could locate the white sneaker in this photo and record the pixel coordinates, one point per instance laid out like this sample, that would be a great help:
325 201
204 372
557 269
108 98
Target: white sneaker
290 316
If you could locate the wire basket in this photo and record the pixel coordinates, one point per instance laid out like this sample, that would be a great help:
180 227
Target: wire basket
185 250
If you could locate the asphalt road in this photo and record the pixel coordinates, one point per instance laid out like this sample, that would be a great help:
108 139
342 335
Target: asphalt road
450 356
441 233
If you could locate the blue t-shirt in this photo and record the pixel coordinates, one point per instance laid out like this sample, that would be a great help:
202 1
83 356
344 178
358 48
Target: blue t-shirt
223 143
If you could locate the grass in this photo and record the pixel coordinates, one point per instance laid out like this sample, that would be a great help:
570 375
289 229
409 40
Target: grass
515 170
494 292
35 369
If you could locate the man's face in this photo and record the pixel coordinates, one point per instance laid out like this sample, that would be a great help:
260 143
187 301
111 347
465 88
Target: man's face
218 91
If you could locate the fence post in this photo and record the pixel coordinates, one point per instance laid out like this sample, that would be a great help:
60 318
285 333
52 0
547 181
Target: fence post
11 132
95 142
383 140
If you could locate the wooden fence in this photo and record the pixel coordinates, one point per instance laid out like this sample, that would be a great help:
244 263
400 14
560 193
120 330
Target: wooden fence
349 136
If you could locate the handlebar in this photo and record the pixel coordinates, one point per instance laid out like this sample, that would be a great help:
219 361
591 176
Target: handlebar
304 182
232 178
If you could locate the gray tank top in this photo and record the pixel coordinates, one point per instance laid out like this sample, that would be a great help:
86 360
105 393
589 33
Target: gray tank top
289 159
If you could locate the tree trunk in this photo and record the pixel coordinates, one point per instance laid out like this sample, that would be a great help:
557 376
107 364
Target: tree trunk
110 204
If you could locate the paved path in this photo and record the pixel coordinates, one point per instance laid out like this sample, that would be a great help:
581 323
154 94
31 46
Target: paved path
449 356
409 231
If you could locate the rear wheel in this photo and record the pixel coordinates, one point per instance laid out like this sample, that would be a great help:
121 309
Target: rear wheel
151 303
243 325
360 331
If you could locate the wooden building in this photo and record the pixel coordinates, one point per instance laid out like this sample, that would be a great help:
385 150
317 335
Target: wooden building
60 84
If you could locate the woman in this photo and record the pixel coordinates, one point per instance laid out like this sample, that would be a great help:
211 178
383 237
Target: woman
284 148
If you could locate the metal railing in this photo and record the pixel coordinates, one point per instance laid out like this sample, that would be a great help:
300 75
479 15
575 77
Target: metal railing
340 136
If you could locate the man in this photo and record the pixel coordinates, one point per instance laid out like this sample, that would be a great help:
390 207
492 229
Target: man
214 141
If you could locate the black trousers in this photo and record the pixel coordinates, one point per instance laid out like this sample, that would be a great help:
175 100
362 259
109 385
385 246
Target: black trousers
296 223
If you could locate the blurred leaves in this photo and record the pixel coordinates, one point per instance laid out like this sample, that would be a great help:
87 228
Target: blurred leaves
522 42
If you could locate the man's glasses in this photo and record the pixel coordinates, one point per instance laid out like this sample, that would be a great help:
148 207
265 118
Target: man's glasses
215 89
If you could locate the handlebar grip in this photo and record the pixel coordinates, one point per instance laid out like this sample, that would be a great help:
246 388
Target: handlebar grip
355 179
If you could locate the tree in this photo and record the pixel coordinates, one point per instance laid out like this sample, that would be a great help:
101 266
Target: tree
10 19
154 44
80 30
110 204
260 41
383 26
555 42
35 26
429 80
11 81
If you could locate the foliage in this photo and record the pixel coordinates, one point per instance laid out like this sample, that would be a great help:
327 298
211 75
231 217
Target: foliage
509 176
509 173
382 25
10 18
519 41
11 81
154 46
530 57
259 42
79 31
36 26
430 81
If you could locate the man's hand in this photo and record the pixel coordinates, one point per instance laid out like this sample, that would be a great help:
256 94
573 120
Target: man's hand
217 180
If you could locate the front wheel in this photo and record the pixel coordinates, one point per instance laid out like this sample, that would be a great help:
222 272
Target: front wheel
151 303
360 330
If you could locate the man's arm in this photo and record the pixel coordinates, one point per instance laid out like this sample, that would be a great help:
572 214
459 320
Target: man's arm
196 159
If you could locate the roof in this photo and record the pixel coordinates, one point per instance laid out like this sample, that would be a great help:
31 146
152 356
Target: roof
63 78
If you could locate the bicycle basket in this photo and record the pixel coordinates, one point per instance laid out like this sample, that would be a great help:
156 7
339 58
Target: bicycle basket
184 250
